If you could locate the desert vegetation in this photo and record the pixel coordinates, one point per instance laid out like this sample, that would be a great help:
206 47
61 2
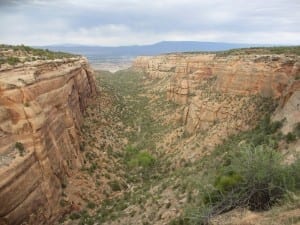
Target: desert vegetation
14 54
287 50
248 171
146 185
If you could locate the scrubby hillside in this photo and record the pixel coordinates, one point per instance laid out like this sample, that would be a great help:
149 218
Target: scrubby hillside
11 55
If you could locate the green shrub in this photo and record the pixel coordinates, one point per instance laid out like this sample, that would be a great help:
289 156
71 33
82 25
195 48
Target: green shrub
179 221
275 126
63 203
293 171
91 169
290 137
12 60
135 158
212 196
64 182
82 146
91 205
115 186
297 129
142 159
254 178
262 177
227 182
130 151
20 147
248 173
75 216
267 126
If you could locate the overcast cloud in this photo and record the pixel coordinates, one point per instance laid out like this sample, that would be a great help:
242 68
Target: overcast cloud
129 22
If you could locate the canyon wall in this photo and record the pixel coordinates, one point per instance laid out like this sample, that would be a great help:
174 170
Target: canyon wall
41 110
225 89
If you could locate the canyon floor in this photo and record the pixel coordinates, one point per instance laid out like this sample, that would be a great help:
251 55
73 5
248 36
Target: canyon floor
141 168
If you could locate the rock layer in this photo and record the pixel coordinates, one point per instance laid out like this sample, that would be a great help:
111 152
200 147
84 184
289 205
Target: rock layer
267 75
41 108
217 88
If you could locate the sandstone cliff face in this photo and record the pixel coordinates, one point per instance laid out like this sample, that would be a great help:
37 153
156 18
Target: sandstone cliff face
289 107
220 94
267 75
41 106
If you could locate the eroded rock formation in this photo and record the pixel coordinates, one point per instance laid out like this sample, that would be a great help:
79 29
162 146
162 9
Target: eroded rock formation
218 89
289 107
41 109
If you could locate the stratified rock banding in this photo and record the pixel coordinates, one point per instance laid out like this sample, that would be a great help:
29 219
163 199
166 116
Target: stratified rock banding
41 106
274 76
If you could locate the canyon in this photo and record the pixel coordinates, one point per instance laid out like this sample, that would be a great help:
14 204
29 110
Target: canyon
85 147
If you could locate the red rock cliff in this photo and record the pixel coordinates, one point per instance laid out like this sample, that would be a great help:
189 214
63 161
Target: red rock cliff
267 75
220 94
41 106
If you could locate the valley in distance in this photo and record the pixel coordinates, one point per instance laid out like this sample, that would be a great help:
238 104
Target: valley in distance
121 57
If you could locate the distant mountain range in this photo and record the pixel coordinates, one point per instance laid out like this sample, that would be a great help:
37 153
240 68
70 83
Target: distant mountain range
154 49
115 58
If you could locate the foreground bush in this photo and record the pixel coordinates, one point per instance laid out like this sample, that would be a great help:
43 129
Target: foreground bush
255 178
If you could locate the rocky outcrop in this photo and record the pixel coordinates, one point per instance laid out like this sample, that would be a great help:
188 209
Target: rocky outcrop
215 88
289 107
267 75
41 109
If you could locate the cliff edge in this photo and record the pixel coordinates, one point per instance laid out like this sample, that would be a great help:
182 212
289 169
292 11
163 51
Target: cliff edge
223 94
41 110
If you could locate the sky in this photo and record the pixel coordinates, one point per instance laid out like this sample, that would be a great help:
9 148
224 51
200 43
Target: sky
138 22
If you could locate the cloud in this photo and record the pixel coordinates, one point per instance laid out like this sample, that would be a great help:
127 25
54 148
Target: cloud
122 22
